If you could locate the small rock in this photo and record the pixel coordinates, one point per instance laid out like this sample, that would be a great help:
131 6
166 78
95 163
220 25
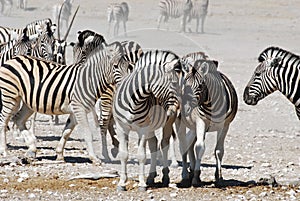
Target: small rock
263 194
31 195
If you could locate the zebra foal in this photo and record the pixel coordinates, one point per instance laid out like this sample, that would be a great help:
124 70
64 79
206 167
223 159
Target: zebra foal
51 88
146 100
213 108
278 69
175 9
117 13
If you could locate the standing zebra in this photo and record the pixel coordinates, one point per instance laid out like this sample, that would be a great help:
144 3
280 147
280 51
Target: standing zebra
144 101
6 6
36 27
278 69
132 52
215 108
22 4
117 13
175 9
198 12
66 7
51 88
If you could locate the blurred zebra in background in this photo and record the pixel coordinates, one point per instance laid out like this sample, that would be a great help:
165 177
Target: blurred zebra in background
22 4
214 108
278 69
175 9
198 12
66 12
117 13
36 27
6 6
145 101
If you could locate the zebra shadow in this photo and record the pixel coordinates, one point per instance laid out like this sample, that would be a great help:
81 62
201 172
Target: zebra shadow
56 138
31 9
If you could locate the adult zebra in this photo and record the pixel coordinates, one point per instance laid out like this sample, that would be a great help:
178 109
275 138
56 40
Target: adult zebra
145 101
51 88
175 9
117 13
36 27
198 12
132 52
278 69
215 105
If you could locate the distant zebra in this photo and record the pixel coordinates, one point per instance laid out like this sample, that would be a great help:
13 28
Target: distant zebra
6 6
22 4
175 9
144 101
36 27
117 13
214 108
132 52
51 88
66 7
198 12
278 69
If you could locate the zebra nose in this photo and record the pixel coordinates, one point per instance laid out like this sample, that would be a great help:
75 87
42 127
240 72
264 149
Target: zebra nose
246 94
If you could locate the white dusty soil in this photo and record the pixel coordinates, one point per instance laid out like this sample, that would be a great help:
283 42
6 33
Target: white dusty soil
263 141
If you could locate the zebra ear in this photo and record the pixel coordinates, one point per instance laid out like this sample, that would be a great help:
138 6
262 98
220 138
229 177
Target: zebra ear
204 68
275 62
216 63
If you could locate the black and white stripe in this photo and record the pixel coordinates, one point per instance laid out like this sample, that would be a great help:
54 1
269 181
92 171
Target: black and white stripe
213 109
51 88
199 12
278 69
144 101
175 9
116 13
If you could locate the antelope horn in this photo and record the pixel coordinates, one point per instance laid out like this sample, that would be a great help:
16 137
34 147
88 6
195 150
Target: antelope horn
69 28
58 23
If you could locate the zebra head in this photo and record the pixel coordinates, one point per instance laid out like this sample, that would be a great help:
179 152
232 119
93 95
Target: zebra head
60 44
195 91
263 81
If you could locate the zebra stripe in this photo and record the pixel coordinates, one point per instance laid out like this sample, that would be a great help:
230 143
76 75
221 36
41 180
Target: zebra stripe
174 9
215 109
51 88
117 13
199 12
144 101
278 69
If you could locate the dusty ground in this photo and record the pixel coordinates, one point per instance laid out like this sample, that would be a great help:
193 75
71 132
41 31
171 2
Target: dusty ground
263 141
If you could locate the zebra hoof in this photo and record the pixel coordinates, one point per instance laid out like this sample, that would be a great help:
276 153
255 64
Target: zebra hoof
121 188
142 188
185 183
196 182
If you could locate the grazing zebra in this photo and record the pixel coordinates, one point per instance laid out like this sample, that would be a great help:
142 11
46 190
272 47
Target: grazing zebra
175 9
22 4
198 12
278 69
132 52
144 101
117 13
51 88
66 8
215 106
36 27
6 6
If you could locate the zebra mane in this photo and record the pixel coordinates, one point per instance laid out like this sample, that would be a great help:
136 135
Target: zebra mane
272 52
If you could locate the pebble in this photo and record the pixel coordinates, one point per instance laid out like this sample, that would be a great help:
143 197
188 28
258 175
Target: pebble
31 195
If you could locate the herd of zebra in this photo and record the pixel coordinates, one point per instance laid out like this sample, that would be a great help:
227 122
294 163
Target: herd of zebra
137 90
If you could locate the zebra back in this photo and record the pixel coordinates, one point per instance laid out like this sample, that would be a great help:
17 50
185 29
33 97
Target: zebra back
175 8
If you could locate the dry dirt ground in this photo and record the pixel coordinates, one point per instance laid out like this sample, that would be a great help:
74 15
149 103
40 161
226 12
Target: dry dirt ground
263 141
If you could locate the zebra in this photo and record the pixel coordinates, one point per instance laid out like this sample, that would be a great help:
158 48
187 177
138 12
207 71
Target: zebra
132 52
6 6
51 88
22 4
117 13
198 12
8 34
214 107
278 69
66 8
175 9
147 99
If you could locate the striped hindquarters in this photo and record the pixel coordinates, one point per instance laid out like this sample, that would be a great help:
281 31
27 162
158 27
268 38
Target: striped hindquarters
117 12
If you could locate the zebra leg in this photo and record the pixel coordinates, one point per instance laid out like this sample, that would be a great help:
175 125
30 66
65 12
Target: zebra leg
197 24
116 28
124 26
202 23
123 155
174 162
219 153
113 134
70 124
200 149
152 143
